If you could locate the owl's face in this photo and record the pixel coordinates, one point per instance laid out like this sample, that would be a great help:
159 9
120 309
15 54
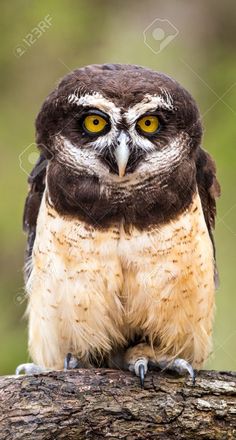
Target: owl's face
116 127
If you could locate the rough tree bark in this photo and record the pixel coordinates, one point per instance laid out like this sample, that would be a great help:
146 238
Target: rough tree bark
109 404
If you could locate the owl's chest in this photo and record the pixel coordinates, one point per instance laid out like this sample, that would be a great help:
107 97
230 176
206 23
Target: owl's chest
72 247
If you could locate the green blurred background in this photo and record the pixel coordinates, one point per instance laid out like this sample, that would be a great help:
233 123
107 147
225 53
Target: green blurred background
196 46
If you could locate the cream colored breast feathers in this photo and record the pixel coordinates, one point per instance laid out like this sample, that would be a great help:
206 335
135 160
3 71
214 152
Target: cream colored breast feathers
91 289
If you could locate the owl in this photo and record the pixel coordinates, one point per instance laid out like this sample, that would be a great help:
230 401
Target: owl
120 265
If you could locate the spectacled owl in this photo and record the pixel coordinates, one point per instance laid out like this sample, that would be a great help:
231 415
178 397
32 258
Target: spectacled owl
120 267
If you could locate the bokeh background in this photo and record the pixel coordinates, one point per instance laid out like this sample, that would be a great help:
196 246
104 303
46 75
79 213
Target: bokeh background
41 42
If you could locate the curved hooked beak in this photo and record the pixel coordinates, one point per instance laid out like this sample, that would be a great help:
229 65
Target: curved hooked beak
122 152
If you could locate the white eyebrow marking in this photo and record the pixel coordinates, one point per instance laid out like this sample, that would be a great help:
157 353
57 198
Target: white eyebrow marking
98 101
149 103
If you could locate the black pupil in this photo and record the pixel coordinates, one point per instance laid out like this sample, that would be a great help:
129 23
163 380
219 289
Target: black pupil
148 122
96 122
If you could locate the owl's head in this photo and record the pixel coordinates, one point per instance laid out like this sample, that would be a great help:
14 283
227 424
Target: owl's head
117 126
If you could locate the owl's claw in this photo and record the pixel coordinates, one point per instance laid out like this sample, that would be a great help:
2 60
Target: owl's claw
29 369
140 368
181 366
141 375
71 362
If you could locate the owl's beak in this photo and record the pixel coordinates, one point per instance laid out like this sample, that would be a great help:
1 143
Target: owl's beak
122 153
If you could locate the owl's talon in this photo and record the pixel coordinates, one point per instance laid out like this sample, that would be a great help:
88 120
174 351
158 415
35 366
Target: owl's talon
181 366
140 368
141 375
71 362
29 368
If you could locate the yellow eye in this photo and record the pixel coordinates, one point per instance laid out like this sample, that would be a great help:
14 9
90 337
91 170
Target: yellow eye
94 123
148 124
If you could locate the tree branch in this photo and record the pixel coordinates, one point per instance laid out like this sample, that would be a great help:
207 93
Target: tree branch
109 404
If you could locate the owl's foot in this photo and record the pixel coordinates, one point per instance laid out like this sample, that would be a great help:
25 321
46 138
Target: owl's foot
141 358
72 362
29 369
141 365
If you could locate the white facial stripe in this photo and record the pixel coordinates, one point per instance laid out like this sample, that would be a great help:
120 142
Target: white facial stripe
140 141
78 159
98 101
106 140
167 158
148 104
109 139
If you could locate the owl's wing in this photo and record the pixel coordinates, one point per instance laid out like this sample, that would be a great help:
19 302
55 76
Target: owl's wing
36 182
209 190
